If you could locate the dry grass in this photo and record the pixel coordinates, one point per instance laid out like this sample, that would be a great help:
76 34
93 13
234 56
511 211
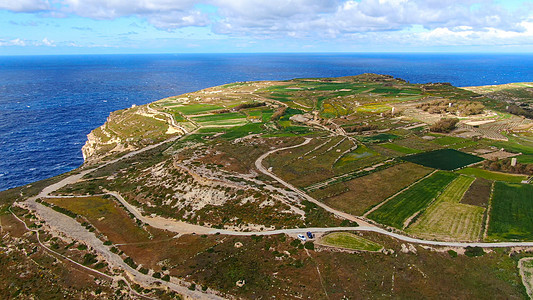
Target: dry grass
359 195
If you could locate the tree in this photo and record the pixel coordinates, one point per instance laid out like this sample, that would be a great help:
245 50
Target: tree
444 125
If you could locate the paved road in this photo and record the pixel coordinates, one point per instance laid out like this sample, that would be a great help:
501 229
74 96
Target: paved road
72 228
262 169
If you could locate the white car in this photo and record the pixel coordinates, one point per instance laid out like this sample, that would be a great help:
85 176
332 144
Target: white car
302 237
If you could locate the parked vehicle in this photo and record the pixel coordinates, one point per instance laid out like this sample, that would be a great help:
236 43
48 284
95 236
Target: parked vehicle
310 235
302 237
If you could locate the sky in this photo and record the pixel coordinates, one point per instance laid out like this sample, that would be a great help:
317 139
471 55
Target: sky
45 27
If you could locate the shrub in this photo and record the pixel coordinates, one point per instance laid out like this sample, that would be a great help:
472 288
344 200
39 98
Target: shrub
295 243
89 259
192 287
129 261
309 245
452 253
156 275
143 270
166 278
107 243
444 125
474 251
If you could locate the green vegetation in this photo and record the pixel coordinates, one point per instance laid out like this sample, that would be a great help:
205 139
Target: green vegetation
400 149
447 219
498 176
448 140
444 125
444 159
358 195
195 109
349 241
396 211
378 138
511 215
474 251
106 216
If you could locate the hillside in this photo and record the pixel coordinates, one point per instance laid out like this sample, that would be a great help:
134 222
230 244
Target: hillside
403 187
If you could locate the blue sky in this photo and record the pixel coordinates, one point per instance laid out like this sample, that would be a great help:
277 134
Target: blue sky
187 26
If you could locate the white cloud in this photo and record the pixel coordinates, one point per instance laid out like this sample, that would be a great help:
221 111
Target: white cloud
333 18
47 42
163 14
24 5
453 22
14 42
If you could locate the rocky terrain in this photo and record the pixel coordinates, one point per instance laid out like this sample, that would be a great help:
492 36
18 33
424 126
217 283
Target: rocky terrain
307 188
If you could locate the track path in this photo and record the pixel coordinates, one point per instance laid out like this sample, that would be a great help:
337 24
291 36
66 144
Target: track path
70 227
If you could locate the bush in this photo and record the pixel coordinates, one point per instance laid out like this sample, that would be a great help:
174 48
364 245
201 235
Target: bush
89 259
279 113
444 125
129 261
156 275
143 270
474 251
309 245
192 287
166 278
107 243
295 243
452 253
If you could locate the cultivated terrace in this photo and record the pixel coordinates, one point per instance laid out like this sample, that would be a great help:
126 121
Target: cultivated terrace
406 190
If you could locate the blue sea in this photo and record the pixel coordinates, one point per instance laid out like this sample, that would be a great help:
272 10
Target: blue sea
48 104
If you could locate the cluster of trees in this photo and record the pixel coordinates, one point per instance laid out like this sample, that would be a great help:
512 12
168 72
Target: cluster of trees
240 107
248 105
519 111
504 165
278 113
458 107
360 128
444 125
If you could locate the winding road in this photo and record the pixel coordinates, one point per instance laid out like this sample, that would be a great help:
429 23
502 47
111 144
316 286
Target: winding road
73 229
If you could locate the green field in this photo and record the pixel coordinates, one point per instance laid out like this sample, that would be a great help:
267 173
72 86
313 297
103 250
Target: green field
448 140
401 207
221 119
444 159
490 175
399 148
447 219
511 216
194 109
378 138
349 241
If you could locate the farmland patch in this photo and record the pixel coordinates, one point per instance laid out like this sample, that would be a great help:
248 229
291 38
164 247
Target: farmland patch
479 192
396 211
360 194
511 215
444 159
447 219
194 109
401 149
490 175
349 241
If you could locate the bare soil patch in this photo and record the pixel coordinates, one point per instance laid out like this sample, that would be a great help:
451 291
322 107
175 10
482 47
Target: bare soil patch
358 195
478 194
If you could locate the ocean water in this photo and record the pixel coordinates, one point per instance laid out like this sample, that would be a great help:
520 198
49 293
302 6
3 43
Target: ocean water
48 104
